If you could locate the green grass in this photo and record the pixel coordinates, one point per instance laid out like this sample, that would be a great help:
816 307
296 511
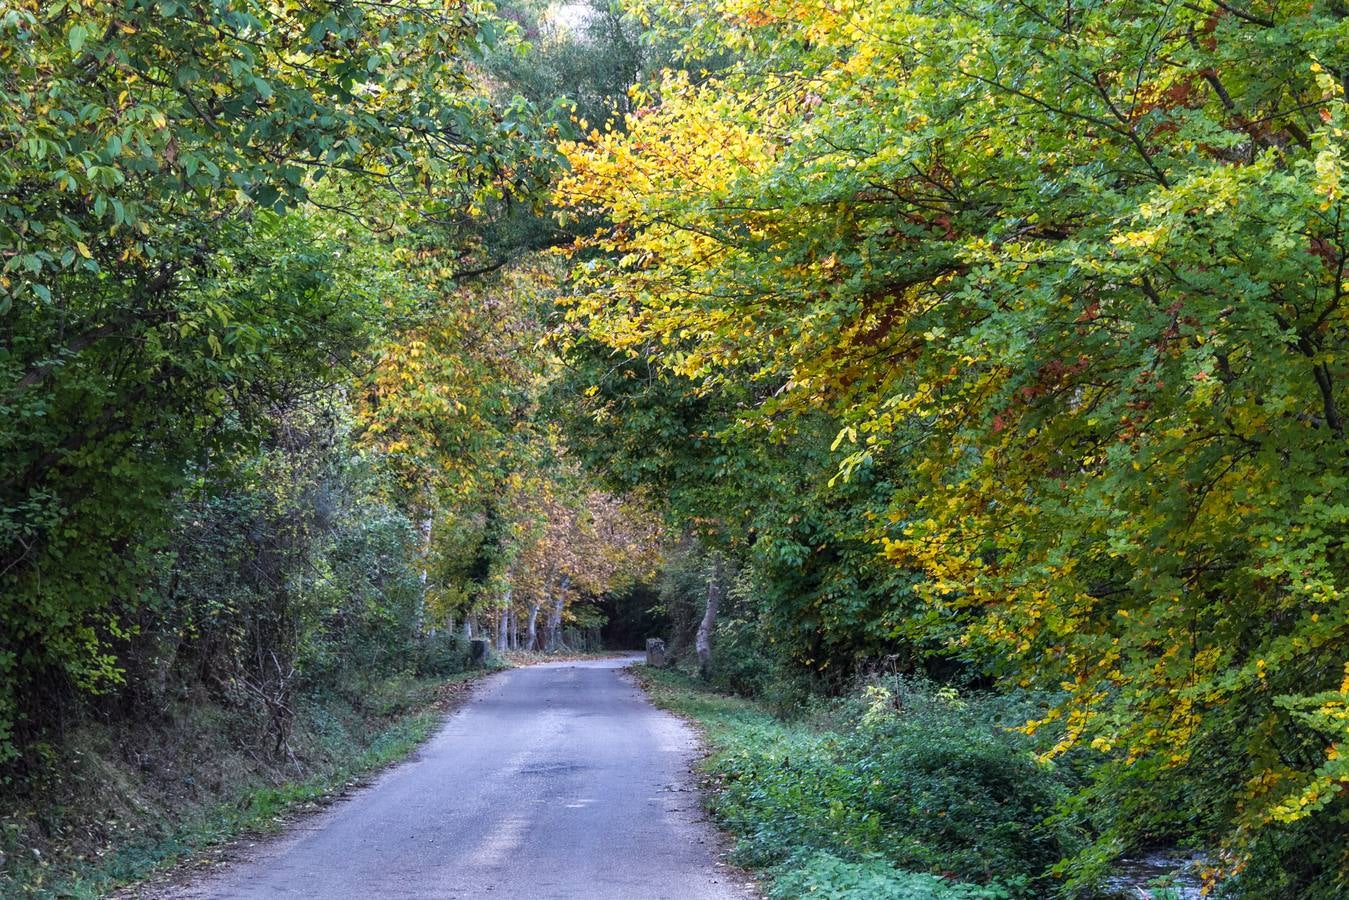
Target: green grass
344 746
904 791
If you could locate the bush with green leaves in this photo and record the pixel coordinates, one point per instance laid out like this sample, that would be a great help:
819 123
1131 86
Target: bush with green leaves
825 875
284 571
901 774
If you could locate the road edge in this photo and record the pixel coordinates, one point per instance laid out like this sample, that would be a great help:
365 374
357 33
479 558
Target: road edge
176 873
745 879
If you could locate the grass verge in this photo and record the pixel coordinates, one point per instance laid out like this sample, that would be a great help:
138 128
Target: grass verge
108 814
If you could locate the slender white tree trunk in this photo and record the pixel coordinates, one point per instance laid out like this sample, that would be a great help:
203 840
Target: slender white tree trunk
555 615
537 642
703 642
426 571
532 632
502 621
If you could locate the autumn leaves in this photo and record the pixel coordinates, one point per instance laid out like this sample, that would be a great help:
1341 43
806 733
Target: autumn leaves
1083 334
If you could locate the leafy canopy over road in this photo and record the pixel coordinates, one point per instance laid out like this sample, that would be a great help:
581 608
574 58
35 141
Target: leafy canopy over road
1004 340
1069 280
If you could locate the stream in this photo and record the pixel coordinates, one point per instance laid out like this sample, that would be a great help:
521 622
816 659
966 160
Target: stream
1160 875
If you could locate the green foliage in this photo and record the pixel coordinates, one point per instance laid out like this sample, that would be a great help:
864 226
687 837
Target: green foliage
440 653
743 665
1301 859
582 63
922 779
820 596
1069 281
827 876
100 441
177 276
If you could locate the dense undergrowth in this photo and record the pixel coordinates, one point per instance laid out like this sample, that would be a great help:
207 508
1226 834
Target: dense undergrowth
903 789
113 803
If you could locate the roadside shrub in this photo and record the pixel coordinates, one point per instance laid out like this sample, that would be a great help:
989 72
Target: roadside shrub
825 875
740 665
1305 860
924 779
442 653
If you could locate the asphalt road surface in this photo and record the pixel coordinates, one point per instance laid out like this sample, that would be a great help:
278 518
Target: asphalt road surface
554 781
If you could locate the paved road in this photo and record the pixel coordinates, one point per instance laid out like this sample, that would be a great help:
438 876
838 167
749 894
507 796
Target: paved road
555 781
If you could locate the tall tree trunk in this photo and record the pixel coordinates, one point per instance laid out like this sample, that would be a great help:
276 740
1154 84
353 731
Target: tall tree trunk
532 632
703 642
503 619
426 571
468 628
536 642
555 616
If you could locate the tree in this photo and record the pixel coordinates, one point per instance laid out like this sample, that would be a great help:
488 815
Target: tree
579 542
1076 272
703 642
168 276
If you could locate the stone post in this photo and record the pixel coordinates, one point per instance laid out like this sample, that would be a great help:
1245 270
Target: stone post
655 652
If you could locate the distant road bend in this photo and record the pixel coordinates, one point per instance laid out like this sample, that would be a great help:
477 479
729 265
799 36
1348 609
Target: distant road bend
554 782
